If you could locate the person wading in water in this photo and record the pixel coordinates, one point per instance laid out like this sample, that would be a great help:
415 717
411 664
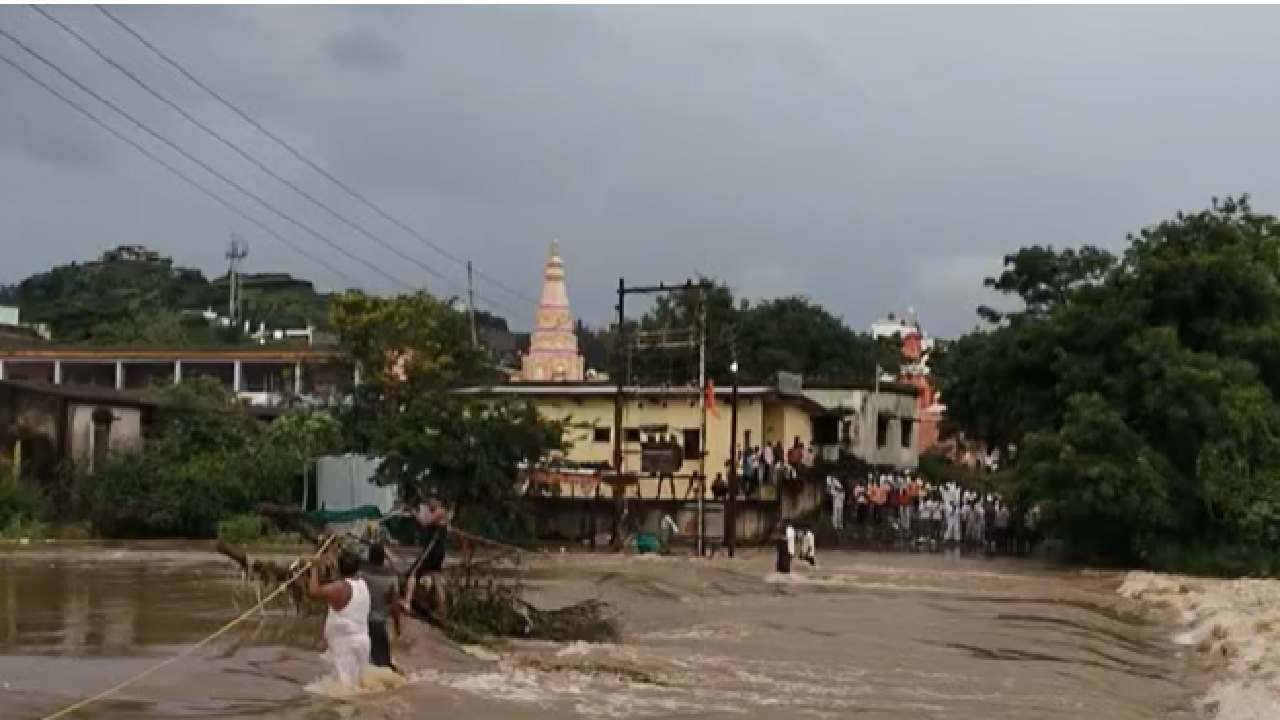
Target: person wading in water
384 596
433 521
346 627
785 543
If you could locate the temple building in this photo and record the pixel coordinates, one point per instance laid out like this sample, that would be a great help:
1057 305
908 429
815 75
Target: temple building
915 371
553 348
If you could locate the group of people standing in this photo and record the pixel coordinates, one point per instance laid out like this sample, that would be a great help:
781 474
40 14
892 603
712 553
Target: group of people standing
943 515
763 465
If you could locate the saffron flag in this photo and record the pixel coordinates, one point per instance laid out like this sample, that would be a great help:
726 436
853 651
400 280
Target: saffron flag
709 398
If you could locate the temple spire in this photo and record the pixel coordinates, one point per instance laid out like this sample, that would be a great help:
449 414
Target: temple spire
553 347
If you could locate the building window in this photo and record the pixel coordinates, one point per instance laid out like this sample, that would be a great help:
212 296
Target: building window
631 435
601 434
826 430
692 442
907 427
882 430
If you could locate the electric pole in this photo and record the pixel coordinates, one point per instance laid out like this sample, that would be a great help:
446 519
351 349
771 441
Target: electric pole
471 306
237 250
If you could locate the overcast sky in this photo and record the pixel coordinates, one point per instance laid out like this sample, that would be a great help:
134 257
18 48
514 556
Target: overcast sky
870 158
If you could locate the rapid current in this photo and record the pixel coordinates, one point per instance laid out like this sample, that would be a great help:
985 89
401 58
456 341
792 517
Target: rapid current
861 635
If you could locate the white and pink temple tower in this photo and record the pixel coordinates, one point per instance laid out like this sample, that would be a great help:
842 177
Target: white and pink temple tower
553 348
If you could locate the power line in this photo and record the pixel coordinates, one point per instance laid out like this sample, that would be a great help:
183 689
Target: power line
236 148
208 168
306 160
181 175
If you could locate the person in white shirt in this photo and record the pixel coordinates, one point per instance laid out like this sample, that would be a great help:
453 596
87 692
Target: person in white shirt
835 489
808 546
346 626
951 515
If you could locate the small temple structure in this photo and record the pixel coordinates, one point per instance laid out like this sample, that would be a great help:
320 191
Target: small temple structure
553 347
915 371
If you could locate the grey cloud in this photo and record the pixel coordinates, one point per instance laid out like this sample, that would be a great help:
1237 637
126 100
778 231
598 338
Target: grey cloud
362 50
872 158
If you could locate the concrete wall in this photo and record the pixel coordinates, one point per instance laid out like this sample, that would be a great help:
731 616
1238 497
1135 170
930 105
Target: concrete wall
570 522
126 429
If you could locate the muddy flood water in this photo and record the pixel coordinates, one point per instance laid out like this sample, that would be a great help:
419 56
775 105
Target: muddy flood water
861 635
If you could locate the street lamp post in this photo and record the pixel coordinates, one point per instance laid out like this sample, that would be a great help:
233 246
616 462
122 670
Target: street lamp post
731 510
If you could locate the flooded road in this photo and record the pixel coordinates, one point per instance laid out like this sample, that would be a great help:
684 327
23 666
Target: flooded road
864 635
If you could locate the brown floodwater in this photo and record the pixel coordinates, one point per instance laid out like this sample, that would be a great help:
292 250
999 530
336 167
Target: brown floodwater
863 635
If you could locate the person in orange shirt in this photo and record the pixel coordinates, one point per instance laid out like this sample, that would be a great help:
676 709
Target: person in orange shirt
879 493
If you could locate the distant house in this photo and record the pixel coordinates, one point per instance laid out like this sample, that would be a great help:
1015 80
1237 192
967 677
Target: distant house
43 425
132 253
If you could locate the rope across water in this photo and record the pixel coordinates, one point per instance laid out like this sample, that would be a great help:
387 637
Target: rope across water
216 634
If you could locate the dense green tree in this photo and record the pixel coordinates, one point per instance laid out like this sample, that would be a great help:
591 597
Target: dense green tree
790 334
416 355
1142 393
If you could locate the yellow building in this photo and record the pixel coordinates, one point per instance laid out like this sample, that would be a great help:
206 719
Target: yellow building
873 424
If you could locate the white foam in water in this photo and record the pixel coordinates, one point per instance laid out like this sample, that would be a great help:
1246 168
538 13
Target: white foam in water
372 680
1233 623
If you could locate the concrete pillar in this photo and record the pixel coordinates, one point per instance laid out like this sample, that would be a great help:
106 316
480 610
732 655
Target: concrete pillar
119 374
57 372
177 371
235 376
297 379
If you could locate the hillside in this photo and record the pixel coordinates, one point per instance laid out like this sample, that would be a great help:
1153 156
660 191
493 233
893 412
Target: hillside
135 296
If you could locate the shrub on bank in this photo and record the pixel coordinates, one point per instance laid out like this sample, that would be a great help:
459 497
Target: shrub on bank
208 461
17 504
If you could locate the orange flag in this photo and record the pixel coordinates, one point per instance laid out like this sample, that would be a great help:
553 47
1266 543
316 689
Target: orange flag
709 398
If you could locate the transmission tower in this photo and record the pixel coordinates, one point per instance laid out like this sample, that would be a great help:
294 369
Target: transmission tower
237 251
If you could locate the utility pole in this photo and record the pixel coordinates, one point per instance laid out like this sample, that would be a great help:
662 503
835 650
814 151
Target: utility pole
471 306
731 508
237 250
618 489
702 437
620 369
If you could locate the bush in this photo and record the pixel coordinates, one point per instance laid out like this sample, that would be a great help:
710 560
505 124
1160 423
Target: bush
208 461
242 529
17 504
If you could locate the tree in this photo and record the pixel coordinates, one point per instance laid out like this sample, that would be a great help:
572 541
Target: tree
416 354
1153 378
1044 278
790 334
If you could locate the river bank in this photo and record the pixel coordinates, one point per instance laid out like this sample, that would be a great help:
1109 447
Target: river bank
880 635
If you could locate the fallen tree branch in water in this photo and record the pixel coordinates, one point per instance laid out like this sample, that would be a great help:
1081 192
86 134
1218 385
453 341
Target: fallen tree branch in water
485 595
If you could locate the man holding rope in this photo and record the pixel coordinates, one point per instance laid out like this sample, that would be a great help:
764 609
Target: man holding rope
433 521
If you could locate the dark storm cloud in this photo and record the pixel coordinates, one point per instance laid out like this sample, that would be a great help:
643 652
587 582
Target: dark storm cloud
363 50
872 158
